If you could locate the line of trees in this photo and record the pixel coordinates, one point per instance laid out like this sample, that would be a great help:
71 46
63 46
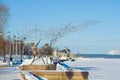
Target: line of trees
3 20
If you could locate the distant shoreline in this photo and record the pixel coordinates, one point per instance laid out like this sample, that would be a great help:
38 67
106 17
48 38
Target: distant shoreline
100 56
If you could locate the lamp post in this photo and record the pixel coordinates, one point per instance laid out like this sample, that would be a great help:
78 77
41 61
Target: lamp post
9 47
4 51
15 46
22 48
27 48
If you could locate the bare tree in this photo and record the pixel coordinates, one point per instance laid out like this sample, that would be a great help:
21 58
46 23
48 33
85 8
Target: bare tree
3 16
3 20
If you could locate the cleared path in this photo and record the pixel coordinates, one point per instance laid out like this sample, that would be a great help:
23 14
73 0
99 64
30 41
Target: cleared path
9 73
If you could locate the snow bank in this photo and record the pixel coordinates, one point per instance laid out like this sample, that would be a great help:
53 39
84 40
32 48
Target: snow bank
36 62
3 64
9 73
29 76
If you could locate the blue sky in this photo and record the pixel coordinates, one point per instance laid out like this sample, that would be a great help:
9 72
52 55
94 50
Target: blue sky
99 38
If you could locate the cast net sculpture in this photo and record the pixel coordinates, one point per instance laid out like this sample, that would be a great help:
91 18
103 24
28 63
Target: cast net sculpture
54 34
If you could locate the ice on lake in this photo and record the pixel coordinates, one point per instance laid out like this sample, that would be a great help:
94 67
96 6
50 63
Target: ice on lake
98 68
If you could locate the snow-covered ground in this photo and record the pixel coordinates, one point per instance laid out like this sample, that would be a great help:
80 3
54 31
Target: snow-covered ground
36 62
98 68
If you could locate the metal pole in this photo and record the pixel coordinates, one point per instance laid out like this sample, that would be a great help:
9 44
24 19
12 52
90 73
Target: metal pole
13 47
21 47
9 47
28 50
11 50
4 50
16 46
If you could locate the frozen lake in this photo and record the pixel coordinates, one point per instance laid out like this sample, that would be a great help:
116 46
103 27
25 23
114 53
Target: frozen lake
98 68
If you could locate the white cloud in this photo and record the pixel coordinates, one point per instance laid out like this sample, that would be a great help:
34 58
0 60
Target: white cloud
113 52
